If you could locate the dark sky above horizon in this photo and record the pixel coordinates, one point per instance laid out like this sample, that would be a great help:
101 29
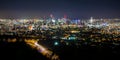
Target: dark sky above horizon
72 8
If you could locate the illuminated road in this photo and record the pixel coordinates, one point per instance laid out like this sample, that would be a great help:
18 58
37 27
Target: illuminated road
41 49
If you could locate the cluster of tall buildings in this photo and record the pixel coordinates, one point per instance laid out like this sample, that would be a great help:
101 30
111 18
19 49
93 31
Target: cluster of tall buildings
52 22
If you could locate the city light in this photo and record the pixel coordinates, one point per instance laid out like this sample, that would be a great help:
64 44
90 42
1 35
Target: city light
47 35
56 43
41 49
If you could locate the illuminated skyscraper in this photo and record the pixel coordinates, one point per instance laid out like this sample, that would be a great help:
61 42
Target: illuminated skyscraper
91 20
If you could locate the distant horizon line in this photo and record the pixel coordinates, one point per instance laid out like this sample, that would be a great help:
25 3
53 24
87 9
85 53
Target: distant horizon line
57 18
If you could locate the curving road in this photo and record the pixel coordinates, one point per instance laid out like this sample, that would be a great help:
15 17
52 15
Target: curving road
41 49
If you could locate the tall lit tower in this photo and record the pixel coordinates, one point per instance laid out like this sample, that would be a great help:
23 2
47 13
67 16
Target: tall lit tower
91 20
65 16
52 19
51 16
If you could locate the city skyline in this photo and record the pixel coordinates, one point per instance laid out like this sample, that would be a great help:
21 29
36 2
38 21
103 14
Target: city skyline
59 8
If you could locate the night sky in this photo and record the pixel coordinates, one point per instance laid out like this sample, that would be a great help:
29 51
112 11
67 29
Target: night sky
72 8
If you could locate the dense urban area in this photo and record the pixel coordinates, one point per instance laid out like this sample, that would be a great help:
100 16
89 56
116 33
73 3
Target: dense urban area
63 39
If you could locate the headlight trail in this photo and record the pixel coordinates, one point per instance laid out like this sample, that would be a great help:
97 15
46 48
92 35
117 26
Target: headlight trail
41 49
